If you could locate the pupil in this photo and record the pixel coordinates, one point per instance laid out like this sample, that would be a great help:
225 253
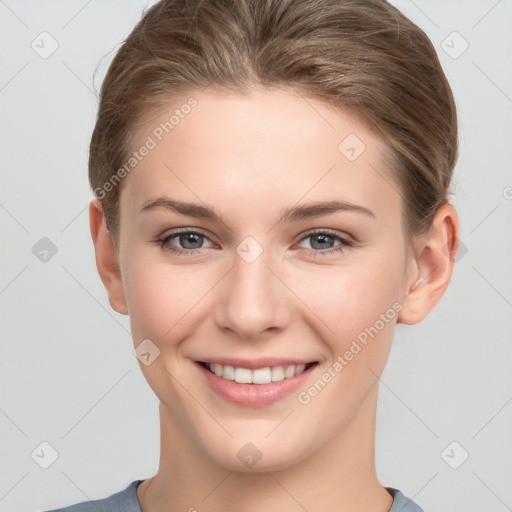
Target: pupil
189 238
323 238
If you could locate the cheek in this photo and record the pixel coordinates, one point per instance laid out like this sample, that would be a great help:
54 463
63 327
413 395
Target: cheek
356 299
161 298
164 300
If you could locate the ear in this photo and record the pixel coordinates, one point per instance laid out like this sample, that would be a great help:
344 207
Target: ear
106 258
433 267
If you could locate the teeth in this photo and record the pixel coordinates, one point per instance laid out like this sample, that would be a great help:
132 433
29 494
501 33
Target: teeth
259 376
243 375
277 373
289 371
228 372
299 368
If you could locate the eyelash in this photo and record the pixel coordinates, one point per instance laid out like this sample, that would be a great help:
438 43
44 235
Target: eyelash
344 242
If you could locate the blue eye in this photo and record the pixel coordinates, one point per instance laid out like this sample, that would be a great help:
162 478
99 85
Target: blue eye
323 240
192 241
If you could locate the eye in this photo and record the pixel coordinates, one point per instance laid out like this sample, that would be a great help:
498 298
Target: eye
191 241
322 242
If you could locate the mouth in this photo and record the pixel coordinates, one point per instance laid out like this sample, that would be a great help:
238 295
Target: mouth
264 375
261 385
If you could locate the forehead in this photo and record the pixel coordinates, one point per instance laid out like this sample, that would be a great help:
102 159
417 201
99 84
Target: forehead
270 146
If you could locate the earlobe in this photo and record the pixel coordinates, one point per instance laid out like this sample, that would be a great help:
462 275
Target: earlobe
434 267
106 258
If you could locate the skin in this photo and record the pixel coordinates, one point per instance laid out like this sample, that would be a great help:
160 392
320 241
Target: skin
250 157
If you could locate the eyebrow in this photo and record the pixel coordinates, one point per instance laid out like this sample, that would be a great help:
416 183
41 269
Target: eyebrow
291 214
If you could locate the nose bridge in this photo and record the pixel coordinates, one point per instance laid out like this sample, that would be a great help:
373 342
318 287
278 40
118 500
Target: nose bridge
254 298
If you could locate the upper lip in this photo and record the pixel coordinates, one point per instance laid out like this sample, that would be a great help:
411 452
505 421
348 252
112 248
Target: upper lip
253 364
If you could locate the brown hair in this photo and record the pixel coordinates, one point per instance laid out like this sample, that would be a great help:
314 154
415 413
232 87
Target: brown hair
361 55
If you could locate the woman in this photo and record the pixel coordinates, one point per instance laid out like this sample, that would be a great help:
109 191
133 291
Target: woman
271 182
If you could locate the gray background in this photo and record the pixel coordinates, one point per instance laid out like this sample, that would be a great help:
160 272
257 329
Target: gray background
68 374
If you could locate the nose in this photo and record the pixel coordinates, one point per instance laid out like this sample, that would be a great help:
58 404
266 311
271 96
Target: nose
253 303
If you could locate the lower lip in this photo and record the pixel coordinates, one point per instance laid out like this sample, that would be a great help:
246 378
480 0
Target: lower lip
254 395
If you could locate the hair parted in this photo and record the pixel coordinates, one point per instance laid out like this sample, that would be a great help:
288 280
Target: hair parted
364 56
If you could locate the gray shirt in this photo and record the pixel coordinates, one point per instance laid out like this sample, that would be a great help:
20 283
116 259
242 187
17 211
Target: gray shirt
126 501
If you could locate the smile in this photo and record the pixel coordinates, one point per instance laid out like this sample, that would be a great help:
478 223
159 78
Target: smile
264 375
263 384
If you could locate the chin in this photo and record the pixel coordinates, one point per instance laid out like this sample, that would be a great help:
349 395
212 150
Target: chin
256 457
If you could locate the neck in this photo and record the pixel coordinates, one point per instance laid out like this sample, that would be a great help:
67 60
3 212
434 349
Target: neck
338 477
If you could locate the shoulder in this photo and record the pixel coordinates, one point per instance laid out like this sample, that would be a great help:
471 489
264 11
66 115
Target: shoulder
122 501
402 503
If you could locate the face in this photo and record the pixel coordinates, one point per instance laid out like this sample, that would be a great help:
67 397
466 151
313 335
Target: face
261 234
